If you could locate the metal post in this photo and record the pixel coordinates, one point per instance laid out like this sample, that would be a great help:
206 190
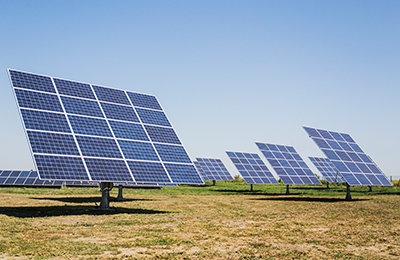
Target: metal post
251 187
327 185
105 188
348 195
120 197
287 190
214 182
370 188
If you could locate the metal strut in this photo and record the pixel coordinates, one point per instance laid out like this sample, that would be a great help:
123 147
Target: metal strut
348 195
105 188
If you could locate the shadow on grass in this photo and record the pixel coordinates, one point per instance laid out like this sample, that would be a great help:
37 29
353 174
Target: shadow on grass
88 199
55 211
313 199
256 192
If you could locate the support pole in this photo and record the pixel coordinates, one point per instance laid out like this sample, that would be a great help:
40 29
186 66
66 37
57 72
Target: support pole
287 190
105 188
348 195
120 197
327 185
214 182
370 188
251 187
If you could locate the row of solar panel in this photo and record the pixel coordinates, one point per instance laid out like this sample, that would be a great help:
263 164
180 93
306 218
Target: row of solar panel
81 90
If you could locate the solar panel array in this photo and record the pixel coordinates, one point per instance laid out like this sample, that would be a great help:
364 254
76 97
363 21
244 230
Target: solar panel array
85 132
288 164
252 168
24 178
212 169
327 169
356 167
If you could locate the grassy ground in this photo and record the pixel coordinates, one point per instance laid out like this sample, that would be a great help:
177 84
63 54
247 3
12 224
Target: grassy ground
225 221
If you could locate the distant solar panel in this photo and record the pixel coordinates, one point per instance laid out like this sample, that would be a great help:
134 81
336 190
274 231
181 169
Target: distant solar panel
327 169
288 164
356 167
213 169
24 178
83 132
252 168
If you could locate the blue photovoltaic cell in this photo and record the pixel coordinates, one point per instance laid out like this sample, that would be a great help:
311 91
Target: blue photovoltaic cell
111 95
172 153
138 150
81 107
81 132
327 169
74 89
356 167
60 167
128 131
288 164
213 169
38 120
203 175
24 178
98 147
31 81
142 100
148 171
108 170
251 168
89 126
37 100
42 142
153 117
118 112
162 134
182 173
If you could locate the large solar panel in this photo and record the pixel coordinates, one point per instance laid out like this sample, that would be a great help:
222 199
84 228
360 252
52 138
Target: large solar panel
252 168
356 167
84 132
288 164
327 169
213 169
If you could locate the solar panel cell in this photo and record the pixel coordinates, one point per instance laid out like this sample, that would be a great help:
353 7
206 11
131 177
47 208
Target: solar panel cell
51 143
98 147
31 81
128 131
118 112
111 95
60 167
153 117
89 126
148 171
81 107
172 153
162 134
74 89
142 100
213 169
108 170
138 150
37 100
183 173
37 120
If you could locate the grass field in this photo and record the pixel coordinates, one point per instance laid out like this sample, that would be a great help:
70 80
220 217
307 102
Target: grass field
225 221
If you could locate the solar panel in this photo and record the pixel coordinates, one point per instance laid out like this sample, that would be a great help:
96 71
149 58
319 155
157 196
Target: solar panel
288 164
213 169
252 168
84 132
327 169
356 167
24 178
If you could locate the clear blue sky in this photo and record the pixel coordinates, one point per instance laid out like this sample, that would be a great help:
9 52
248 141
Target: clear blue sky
227 73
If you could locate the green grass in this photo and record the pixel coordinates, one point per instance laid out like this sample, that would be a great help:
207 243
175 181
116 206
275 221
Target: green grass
225 221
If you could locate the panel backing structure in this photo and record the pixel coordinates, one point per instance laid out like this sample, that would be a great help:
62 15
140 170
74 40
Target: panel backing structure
213 169
356 167
252 168
84 132
288 164
327 169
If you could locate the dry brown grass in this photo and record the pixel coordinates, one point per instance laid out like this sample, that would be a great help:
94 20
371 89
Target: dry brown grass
60 224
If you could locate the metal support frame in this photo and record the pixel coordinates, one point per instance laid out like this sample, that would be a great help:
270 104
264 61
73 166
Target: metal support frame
287 190
105 188
120 189
251 187
348 195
